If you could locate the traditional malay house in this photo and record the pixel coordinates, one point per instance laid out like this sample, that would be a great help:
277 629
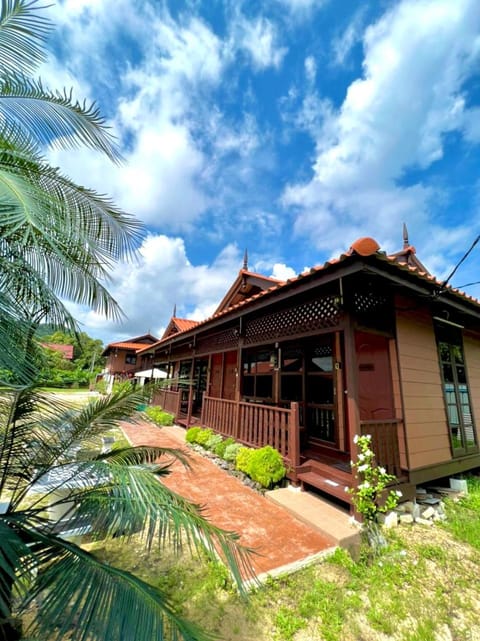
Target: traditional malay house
122 360
367 343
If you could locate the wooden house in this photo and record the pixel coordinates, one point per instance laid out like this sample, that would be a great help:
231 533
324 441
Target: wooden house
368 343
122 360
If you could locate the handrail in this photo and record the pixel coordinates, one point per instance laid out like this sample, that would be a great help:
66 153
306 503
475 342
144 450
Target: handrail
255 424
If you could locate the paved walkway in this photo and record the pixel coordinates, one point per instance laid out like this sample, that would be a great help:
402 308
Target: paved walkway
281 541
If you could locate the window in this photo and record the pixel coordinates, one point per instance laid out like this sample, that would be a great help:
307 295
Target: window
320 390
258 368
130 359
455 389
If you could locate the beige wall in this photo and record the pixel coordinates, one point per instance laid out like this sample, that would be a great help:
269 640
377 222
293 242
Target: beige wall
471 346
424 410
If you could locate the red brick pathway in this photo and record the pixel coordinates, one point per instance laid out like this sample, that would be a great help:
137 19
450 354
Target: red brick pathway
278 537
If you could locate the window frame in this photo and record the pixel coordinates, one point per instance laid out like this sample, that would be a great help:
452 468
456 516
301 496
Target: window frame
451 337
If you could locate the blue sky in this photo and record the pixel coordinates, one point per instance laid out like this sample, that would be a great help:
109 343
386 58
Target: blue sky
288 127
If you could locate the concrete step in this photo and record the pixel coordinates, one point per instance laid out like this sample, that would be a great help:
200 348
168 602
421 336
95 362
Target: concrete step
319 514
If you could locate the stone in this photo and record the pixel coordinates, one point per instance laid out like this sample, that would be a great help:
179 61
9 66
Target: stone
409 506
421 521
406 518
428 513
391 520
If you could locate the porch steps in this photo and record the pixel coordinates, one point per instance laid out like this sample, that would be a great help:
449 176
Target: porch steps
326 478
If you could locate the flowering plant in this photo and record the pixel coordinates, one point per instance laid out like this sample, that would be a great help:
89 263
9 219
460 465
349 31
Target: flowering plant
369 497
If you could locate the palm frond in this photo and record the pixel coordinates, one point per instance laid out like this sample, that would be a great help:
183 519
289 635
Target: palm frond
23 32
53 118
105 603
128 499
14 554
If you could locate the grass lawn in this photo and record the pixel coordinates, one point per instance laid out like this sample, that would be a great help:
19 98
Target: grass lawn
425 587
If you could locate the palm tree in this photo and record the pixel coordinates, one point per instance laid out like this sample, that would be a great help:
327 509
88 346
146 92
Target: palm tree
58 240
114 493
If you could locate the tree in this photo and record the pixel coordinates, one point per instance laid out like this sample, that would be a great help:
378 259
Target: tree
116 492
87 359
58 240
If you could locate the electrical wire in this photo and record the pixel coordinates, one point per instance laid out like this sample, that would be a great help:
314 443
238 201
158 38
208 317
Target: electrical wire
444 284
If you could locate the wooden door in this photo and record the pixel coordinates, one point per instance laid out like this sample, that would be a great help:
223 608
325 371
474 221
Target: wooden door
230 375
375 390
216 376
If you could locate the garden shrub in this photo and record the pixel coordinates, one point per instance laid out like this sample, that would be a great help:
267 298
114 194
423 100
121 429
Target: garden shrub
244 456
203 436
265 466
213 441
192 433
231 452
158 416
221 447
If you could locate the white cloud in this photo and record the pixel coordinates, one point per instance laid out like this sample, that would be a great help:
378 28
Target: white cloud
259 38
162 277
310 69
302 6
282 271
394 118
344 42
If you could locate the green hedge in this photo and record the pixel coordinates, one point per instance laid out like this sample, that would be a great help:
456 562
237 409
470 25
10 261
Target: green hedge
158 416
264 465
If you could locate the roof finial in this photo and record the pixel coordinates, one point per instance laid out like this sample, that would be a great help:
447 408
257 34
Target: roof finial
245 260
174 315
405 236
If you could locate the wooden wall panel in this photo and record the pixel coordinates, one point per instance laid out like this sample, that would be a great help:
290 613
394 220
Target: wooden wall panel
471 345
424 410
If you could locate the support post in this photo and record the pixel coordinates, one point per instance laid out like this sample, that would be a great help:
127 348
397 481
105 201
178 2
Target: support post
190 393
351 391
294 436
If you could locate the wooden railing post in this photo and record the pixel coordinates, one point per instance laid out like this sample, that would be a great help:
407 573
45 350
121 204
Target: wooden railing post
236 415
294 436
202 415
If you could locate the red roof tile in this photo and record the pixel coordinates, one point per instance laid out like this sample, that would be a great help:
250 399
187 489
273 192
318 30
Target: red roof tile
66 350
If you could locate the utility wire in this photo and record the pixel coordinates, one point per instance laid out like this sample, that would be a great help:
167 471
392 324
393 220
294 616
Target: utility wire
444 284
477 282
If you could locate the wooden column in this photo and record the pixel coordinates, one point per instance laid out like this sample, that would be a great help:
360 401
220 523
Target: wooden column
238 376
351 390
294 436
351 382
190 392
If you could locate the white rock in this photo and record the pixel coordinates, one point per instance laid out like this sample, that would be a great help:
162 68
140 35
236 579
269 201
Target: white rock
428 513
391 520
421 521
406 518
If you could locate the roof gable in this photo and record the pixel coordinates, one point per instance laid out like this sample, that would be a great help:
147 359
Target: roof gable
246 285
136 343
177 325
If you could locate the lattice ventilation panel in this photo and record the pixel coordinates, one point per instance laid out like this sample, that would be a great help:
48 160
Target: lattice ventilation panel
227 338
321 313
367 302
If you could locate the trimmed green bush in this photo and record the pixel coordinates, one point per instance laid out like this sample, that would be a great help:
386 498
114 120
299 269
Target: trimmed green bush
231 452
244 456
203 436
213 441
265 466
221 447
192 433
158 416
